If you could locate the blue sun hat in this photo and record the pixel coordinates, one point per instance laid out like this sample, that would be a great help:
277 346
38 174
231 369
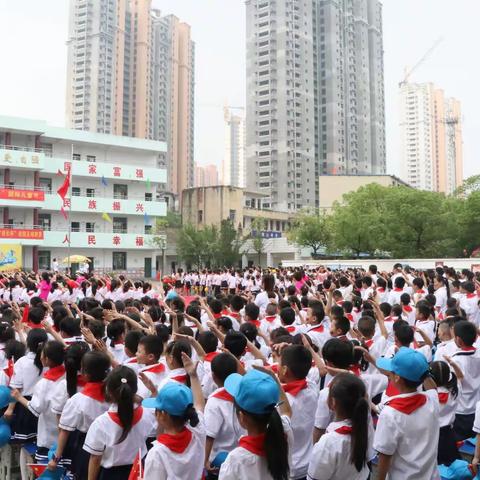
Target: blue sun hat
174 398
5 432
407 363
256 392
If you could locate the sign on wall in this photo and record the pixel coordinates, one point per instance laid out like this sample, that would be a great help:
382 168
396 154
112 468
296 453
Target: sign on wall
10 257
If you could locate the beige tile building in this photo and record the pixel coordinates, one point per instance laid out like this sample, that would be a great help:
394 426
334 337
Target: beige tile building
333 187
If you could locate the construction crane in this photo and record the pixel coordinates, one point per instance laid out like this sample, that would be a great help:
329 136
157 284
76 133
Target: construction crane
408 73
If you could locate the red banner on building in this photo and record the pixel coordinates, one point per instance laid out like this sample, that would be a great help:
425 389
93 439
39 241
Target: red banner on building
21 233
15 194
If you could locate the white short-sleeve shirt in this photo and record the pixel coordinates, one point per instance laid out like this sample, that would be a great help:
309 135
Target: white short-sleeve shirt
25 374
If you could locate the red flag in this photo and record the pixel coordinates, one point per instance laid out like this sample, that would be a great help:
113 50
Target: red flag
64 213
37 468
63 190
26 311
60 173
136 471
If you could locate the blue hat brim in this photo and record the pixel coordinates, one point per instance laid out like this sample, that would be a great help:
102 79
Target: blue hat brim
385 364
232 384
151 403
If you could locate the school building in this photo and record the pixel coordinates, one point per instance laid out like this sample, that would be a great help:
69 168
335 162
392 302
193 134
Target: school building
111 205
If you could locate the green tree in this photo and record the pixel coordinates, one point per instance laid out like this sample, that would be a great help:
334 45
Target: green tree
197 247
311 229
358 223
229 244
256 242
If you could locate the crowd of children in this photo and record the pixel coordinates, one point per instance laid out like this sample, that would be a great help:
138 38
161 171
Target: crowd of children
274 374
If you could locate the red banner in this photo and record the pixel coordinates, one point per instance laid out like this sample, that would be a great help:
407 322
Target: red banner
21 233
14 194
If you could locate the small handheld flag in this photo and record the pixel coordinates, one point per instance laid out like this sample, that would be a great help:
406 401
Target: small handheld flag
136 471
106 217
148 184
104 181
146 218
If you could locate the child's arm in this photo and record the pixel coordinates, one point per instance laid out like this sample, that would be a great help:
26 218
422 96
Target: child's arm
48 328
456 368
425 337
216 332
380 319
318 360
191 369
19 397
384 462
256 352
62 442
94 466
284 407
191 340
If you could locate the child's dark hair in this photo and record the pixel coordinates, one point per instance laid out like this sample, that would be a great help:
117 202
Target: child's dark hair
223 365
115 330
444 377
287 315
404 334
153 345
251 332
466 331
132 338
6 332
338 353
235 343
208 341
121 387
298 359
349 393
54 351
15 350
275 444
36 338
252 311
343 324
73 364
36 315
96 365
366 326
225 323
70 326
318 310
176 348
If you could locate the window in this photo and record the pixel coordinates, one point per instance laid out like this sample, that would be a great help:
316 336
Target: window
75 226
200 216
90 192
46 184
120 225
44 260
76 192
119 260
45 221
120 191
148 197
91 158
232 215
90 227
76 156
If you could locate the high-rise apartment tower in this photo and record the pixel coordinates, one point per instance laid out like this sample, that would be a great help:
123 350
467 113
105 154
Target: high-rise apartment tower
315 95
131 72
233 165
431 138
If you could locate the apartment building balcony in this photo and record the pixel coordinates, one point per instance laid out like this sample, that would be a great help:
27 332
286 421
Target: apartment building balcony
21 158
21 196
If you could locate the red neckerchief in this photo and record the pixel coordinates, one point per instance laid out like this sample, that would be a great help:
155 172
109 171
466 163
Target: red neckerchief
468 349
94 390
137 416
421 291
369 343
157 368
35 325
255 322
391 390
471 295
317 328
179 378
210 356
380 289
225 313
407 308
295 387
349 316
9 369
274 367
254 444
54 373
355 369
388 319
132 360
222 394
408 404
443 397
176 443
340 302
216 316
344 430
235 315
81 381
290 328
270 318
396 289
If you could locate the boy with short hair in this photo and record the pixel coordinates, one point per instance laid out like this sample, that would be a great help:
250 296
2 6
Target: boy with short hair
295 364
408 426
468 360
149 351
287 318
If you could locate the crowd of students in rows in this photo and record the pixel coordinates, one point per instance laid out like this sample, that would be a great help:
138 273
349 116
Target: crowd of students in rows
316 374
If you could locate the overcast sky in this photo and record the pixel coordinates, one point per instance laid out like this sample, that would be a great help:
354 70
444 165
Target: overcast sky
33 60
